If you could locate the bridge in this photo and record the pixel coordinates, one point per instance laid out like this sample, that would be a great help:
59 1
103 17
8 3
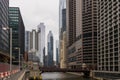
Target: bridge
85 71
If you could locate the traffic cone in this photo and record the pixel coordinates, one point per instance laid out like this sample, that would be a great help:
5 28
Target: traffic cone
9 73
1 75
6 74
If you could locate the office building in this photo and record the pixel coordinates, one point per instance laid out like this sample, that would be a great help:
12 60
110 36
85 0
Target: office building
18 32
62 30
57 53
27 44
81 24
108 39
63 51
33 41
50 46
4 34
46 61
41 41
44 56
27 41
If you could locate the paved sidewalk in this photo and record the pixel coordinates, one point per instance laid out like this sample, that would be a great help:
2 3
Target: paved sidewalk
22 75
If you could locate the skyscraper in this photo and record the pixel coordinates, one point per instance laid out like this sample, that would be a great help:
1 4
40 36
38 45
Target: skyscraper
41 41
27 41
63 51
50 46
27 44
57 53
62 30
18 32
108 38
62 16
33 41
33 46
4 34
62 19
81 33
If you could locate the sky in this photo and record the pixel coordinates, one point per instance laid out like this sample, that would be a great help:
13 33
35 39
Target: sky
36 11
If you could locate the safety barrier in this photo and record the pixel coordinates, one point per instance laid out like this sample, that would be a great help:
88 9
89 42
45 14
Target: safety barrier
8 73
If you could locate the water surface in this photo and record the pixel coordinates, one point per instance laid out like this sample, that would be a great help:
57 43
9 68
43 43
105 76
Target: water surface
62 76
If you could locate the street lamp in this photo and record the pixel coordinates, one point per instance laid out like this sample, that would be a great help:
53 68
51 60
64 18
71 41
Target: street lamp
19 55
4 28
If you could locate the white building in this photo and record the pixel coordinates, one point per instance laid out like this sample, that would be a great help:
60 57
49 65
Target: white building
33 41
41 41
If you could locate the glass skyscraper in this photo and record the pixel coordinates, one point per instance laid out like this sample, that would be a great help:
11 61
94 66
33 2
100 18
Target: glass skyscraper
4 34
50 49
18 32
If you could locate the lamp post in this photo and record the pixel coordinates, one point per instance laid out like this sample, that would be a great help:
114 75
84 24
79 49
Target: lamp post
10 49
19 56
10 29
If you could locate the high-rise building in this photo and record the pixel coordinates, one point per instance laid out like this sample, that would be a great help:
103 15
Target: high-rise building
27 44
57 53
27 41
46 61
33 41
18 32
62 7
62 18
50 46
108 38
81 24
44 55
41 41
63 51
62 30
33 46
4 34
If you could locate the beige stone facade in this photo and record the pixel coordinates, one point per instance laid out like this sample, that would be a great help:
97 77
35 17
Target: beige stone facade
63 57
81 33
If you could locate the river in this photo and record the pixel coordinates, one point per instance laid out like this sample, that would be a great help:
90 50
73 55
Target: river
62 76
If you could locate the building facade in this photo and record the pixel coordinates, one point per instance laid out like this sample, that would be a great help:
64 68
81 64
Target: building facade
34 41
18 32
62 29
63 52
27 41
57 53
46 61
81 33
108 39
50 46
27 44
41 41
4 34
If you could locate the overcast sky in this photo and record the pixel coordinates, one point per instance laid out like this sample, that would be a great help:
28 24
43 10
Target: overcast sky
36 11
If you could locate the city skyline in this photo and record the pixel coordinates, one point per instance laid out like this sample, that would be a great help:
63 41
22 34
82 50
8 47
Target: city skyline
36 14
36 11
